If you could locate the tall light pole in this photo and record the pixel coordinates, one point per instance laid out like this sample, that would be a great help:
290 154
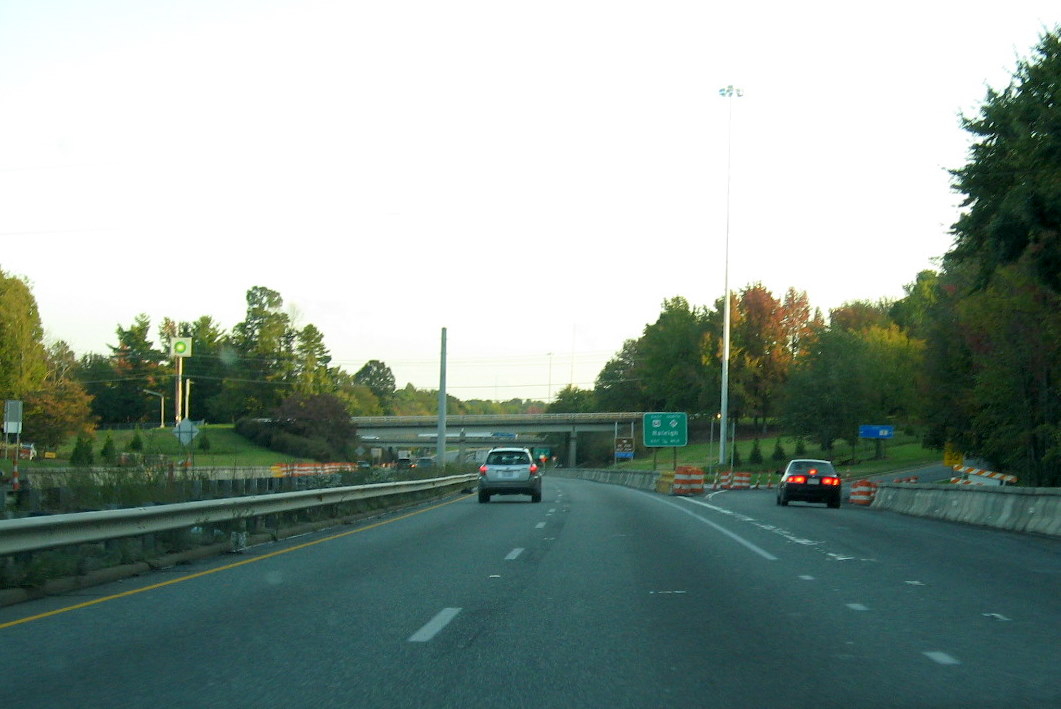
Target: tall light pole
440 440
728 93
549 397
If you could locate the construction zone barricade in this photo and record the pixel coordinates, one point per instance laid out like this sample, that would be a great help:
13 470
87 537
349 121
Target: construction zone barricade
863 492
732 481
294 470
976 476
665 482
688 481
764 480
909 479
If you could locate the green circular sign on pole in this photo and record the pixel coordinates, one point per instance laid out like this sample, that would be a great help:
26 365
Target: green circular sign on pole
181 347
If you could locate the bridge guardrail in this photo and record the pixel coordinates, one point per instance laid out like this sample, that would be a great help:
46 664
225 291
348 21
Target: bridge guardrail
499 419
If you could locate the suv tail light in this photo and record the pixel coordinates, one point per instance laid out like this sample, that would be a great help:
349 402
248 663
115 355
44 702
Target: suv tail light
482 469
533 469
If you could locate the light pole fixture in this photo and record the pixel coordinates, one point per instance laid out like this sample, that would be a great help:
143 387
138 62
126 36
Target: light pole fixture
728 93
161 407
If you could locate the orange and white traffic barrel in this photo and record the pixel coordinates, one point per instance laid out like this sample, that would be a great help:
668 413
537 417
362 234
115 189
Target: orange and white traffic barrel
742 481
863 492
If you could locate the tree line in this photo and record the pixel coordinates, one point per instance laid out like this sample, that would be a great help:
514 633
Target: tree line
969 357
264 365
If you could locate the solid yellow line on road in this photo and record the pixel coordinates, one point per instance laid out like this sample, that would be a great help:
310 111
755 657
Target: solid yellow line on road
226 567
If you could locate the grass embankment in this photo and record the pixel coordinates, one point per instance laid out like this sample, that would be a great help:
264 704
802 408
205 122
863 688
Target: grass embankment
904 452
219 446
216 446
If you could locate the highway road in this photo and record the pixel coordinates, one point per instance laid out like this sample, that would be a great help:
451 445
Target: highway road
599 596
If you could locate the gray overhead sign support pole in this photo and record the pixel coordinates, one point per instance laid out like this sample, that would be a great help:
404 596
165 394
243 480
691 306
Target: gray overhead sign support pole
440 444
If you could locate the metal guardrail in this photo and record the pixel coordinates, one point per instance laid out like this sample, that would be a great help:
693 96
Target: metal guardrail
499 419
36 533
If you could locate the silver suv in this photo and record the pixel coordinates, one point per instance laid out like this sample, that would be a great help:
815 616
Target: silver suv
510 471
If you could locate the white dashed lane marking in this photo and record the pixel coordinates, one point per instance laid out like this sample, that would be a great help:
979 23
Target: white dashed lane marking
433 626
941 657
514 554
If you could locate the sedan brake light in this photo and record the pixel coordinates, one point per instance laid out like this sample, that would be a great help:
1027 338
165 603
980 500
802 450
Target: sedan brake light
830 481
798 479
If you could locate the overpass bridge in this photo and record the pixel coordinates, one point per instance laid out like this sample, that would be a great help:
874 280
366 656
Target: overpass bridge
483 431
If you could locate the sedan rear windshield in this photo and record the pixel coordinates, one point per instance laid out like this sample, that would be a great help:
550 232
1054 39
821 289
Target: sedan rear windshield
508 458
806 467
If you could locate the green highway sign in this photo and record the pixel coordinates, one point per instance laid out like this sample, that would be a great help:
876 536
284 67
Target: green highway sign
666 429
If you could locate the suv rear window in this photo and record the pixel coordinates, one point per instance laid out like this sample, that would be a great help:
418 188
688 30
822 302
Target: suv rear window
508 458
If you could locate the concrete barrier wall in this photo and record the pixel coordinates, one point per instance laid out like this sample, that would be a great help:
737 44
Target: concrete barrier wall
1035 510
1018 509
642 480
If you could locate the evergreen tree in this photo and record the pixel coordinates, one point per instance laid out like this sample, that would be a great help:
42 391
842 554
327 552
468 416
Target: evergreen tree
779 455
82 455
107 452
756 456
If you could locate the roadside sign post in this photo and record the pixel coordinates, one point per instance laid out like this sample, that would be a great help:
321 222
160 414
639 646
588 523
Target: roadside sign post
186 431
13 424
180 348
877 434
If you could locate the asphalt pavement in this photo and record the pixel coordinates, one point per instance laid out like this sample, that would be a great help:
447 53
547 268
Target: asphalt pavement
599 596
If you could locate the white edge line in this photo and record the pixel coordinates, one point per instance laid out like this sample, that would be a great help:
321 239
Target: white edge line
735 537
433 626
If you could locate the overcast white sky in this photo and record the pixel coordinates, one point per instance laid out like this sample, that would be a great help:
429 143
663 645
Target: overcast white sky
537 177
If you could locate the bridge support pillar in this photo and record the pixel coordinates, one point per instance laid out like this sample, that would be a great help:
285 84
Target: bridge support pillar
572 448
